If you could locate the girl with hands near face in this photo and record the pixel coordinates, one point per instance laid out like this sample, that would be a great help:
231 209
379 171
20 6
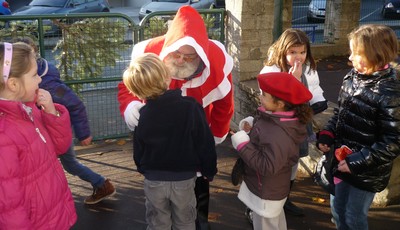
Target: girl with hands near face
35 192
45 102
291 53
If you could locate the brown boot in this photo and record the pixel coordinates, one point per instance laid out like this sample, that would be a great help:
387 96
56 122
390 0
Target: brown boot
101 193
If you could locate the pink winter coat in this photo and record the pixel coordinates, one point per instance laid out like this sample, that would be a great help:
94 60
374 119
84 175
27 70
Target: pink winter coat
34 192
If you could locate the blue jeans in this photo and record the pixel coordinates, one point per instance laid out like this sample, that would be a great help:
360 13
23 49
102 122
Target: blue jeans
335 216
74 167
351 205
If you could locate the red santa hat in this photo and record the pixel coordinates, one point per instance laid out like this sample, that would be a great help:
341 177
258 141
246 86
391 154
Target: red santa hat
187 23
284 86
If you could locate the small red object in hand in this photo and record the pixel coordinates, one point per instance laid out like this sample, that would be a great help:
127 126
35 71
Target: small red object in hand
342 152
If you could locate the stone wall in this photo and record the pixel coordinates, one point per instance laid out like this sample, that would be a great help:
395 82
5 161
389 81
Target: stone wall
248 35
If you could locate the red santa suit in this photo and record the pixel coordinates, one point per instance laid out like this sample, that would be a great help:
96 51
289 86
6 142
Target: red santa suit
212 88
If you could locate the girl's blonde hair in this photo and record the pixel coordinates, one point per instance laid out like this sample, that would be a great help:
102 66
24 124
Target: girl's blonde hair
377 44
146 77
20 61
278 50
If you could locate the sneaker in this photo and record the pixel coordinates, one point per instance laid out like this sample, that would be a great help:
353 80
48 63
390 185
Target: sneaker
292 209
249 214
100 194
237 172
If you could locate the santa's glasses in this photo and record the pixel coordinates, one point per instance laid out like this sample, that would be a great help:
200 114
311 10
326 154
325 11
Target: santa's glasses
185 57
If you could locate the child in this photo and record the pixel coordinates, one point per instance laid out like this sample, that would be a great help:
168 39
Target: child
34 192
172 141
270 149
62 94
367 122
291 53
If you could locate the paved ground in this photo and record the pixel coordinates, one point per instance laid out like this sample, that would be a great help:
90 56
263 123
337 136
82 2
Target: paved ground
125 210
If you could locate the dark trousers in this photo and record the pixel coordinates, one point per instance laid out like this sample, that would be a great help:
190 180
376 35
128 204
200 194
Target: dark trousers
202 192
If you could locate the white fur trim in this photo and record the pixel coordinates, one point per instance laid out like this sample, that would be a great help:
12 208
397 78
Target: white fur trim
217 93
139 48
219 140
131 114
264 208
198 81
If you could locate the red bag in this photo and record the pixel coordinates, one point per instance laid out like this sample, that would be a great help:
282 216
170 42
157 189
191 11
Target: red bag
342 152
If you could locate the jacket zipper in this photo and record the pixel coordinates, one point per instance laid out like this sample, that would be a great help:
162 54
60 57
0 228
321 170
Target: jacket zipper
41 136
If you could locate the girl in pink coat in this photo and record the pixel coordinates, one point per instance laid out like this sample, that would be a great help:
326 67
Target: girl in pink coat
34 192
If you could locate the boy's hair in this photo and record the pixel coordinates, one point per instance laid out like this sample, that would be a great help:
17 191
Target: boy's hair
147 76
278 50
27 40
22 55
377 44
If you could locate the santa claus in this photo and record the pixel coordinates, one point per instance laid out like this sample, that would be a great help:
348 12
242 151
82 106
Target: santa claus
201 68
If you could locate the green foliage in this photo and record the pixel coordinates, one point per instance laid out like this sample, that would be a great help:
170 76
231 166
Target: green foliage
16 29
156 26
89 45
212 24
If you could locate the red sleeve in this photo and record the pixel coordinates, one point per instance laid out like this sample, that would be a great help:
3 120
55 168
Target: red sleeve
124 97
221 114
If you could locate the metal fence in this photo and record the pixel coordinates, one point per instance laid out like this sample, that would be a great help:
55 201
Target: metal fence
309 15
92 51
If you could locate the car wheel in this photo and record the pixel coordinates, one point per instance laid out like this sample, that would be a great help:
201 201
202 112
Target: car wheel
310 19
383 13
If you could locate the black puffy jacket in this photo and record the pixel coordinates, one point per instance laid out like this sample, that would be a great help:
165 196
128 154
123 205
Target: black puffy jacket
368 121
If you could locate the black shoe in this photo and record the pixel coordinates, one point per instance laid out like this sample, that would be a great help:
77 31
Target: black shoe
292 209
249 214
237 172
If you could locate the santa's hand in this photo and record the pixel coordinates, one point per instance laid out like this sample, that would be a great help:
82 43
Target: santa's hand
239 139
132 114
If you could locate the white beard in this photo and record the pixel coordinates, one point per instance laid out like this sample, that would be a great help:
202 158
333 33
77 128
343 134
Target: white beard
183 71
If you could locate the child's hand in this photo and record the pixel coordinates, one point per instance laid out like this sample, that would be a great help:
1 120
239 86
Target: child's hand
87 141
247 127
246 124
324 147
343 167
297 69
239 139
45 102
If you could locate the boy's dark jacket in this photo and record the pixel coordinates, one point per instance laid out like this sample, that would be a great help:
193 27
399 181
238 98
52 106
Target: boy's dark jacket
174 136
64 95
367 120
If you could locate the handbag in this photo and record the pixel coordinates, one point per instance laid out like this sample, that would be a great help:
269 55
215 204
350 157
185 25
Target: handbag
237 172
323 173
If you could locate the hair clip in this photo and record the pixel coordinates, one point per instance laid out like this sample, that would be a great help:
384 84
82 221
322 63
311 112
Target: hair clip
8 50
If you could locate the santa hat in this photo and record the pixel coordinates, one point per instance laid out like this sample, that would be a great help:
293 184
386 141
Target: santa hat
285 87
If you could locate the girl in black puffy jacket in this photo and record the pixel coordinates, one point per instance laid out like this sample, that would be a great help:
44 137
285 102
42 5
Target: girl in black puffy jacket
367 121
